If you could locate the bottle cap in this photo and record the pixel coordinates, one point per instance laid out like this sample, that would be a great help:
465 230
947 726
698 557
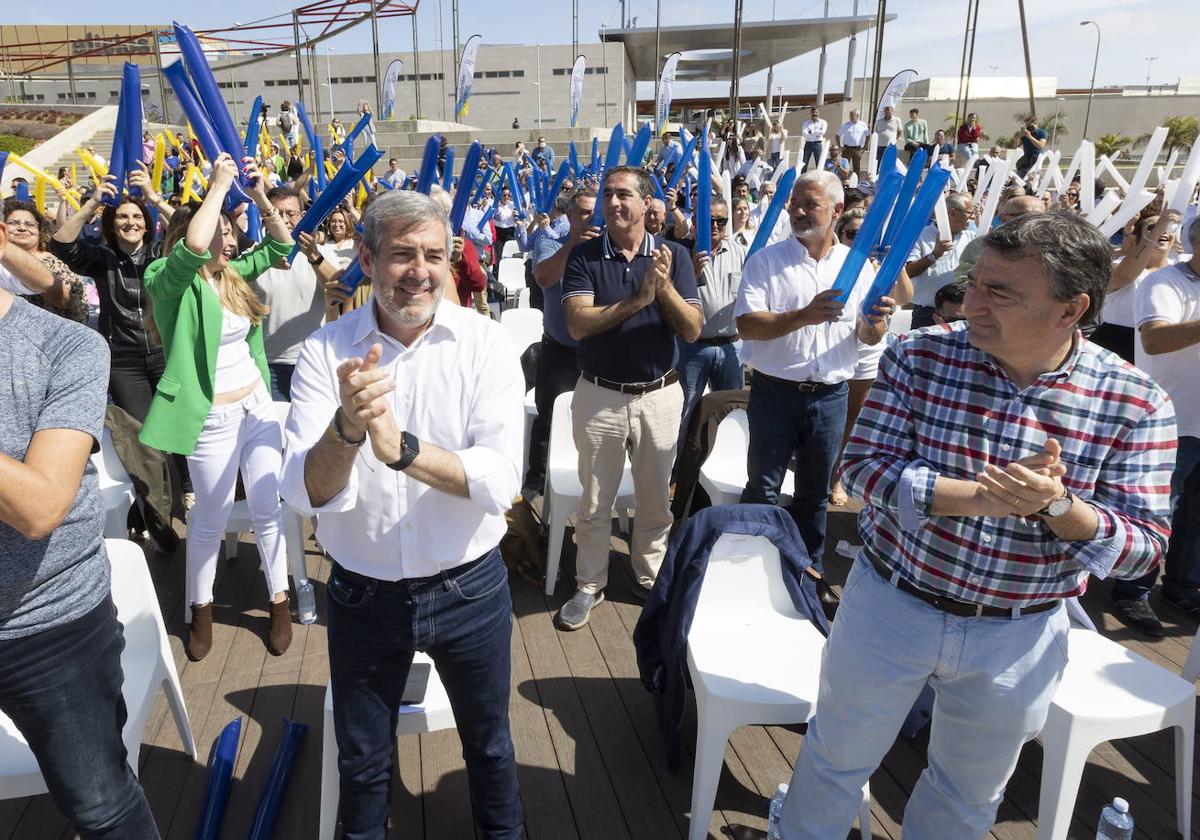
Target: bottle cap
1120 805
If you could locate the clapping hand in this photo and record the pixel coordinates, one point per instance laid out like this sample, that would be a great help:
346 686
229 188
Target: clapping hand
1024 487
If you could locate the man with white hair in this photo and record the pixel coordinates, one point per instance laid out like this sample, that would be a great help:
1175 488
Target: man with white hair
405 436
802 342
932 261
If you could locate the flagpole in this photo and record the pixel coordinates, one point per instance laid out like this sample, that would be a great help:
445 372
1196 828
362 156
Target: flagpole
604 60
375 54
416 67
657 54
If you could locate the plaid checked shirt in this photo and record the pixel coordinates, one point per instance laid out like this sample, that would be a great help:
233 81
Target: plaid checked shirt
940 407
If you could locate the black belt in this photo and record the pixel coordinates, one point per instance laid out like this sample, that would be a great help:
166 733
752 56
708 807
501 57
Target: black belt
807 386
669 378
717 340
949 605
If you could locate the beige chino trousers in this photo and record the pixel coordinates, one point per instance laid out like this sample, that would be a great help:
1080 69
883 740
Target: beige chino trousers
607 425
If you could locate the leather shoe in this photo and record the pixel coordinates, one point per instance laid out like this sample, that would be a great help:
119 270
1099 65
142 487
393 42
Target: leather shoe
279 639
200 633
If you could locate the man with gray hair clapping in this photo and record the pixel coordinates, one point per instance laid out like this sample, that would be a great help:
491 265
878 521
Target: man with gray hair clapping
405 436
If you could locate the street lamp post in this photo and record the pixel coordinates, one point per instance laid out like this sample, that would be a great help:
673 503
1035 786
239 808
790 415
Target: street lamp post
329 77
1091 90
604 61
232 84
1150 59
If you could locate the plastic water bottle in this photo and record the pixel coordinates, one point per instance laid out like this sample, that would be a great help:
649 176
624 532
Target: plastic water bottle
1115 822
306 603
773 812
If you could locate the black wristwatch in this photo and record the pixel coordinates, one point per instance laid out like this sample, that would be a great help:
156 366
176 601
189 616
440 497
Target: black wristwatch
320 259
410 448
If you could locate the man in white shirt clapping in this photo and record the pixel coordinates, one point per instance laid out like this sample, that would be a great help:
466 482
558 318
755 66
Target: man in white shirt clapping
405 436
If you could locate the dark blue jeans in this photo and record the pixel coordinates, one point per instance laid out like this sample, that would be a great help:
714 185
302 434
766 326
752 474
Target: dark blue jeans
463 619
704 364
785 420
1182 577
62 689
812 151
281 380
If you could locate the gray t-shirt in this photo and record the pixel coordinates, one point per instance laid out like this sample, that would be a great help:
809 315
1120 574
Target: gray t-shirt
53 375
297 308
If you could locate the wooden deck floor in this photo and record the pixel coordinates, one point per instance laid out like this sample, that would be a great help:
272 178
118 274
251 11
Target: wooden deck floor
590 758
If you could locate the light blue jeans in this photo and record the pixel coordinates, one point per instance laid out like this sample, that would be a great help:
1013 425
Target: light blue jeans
993 678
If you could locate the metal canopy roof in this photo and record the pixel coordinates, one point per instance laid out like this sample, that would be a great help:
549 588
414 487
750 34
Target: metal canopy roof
708 49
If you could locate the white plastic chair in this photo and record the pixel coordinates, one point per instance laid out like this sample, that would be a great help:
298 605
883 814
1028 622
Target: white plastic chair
524 326
531 413
524 297
563 487
1109 692
146 661
511 249
901 322
240 522
743 620
723 474
433 714
116 488
510 273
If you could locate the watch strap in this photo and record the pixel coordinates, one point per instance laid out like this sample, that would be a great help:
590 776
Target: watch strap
335 425
1065 497
410 448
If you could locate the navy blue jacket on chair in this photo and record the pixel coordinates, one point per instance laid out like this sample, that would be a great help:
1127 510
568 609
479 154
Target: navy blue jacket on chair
660 637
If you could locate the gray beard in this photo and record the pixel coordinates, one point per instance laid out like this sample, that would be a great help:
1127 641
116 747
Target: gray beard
412 316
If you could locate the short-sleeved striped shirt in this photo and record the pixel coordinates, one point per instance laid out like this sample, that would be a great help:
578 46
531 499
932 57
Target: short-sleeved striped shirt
941 407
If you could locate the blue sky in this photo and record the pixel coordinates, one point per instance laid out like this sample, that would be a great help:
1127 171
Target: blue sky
926 36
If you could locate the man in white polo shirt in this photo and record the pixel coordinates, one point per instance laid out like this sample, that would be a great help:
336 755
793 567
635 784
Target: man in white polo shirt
1167 314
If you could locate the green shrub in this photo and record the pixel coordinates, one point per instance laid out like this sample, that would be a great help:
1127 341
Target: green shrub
15 143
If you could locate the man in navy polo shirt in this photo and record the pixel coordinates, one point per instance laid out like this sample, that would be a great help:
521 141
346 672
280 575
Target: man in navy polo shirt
557 367
626 296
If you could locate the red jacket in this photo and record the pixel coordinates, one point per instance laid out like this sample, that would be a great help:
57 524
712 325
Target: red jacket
469 276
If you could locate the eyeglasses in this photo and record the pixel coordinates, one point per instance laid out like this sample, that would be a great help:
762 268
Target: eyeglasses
720 221
13 223
850 234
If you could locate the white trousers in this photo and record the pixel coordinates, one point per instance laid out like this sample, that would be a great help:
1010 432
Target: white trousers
245 435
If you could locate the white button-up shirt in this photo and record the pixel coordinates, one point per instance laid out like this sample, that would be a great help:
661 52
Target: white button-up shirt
459 387
782 278
814 130
854 133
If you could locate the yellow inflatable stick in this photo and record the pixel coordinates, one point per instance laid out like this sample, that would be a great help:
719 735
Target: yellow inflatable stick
17 160
160 156
39 193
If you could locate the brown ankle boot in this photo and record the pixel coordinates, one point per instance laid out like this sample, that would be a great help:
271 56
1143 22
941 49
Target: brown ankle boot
200 634
280 636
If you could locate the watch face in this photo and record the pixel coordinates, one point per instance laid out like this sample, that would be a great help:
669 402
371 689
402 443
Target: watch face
1059 506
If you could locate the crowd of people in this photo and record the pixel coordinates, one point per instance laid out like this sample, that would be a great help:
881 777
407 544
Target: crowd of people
1020 439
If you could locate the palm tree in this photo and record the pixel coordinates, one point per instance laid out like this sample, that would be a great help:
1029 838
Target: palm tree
1110 144
1181 132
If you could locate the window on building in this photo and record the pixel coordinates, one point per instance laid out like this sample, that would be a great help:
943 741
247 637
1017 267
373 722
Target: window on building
269 83
518 74
41 97
370 79
357 80
91 94
561 71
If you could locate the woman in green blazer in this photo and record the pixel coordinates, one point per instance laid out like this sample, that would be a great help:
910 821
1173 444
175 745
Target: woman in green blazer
212 403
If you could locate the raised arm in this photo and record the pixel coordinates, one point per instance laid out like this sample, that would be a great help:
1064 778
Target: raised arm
32 272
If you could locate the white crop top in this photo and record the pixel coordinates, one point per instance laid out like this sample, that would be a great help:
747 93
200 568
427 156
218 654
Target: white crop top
235 366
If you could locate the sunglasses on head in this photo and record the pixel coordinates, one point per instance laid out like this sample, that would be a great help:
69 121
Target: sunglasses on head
720 221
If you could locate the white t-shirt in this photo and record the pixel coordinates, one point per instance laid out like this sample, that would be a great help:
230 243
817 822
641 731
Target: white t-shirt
925 286
1172 294
235 366
1119 305
783 277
